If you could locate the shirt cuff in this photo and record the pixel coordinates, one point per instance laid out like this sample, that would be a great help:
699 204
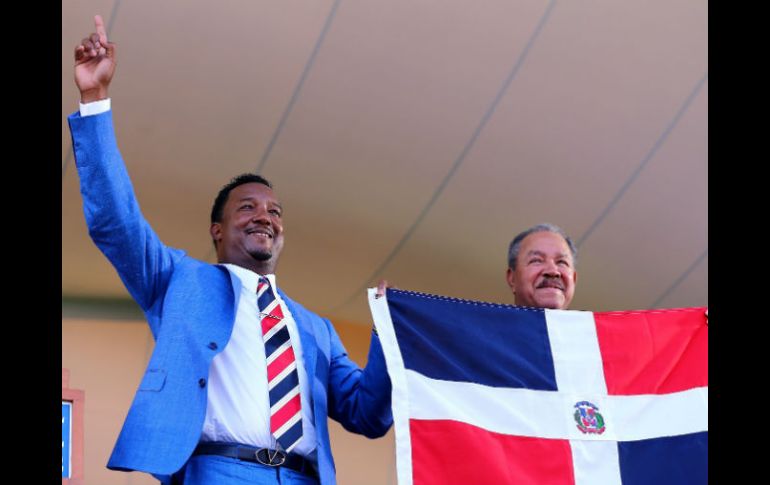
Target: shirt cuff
95 107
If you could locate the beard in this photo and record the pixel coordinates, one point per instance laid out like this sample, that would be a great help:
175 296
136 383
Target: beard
263 255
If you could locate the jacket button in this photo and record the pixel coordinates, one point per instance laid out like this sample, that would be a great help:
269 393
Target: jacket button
212 345
202 382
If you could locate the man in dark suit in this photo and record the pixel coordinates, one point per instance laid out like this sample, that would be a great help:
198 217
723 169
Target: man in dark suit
242 378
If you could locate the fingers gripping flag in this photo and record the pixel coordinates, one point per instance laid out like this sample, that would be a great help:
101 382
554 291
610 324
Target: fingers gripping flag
498 394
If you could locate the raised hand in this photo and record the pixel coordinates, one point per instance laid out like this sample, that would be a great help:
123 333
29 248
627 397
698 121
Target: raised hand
94 64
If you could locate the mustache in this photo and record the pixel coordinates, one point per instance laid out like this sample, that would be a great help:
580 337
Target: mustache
551 282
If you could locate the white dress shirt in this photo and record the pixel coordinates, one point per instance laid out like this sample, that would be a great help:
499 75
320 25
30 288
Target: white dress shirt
238 401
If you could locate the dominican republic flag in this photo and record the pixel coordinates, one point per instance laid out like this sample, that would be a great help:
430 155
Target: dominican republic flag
498 394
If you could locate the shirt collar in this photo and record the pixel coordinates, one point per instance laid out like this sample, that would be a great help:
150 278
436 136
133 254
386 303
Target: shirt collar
249 279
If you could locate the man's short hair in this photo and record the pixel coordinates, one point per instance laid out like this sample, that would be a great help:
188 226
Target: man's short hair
515 246
224 193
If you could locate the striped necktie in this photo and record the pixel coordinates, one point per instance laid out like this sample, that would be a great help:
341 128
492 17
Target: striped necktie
282 377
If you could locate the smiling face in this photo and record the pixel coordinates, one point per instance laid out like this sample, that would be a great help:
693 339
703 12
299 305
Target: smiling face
545 276
250 232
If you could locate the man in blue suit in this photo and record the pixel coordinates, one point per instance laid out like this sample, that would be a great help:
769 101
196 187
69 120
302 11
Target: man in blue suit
205 411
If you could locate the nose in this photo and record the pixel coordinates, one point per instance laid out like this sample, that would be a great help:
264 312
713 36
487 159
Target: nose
552 269
261 216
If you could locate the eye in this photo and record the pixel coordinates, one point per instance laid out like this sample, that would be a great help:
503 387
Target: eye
563 262
246 207
535 260
275 212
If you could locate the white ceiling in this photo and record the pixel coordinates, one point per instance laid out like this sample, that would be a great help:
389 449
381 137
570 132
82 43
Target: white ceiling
412 139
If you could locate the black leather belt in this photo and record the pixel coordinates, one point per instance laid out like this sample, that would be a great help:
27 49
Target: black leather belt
264 456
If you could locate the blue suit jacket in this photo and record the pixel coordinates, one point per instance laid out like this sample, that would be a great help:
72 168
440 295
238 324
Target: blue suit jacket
189 304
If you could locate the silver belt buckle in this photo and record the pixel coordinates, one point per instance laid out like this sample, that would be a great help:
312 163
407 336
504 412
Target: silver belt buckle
264 457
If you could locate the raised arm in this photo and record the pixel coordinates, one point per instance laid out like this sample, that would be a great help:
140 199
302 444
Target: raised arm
115 222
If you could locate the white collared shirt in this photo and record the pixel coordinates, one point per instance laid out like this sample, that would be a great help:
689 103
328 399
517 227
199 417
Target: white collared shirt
238 402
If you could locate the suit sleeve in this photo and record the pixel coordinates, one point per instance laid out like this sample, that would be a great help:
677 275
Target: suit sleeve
115 222
359 399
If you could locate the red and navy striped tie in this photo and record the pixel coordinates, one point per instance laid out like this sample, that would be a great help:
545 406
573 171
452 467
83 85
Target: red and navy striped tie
282 377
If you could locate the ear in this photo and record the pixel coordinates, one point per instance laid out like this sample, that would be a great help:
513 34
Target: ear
574 277
509 277
216 231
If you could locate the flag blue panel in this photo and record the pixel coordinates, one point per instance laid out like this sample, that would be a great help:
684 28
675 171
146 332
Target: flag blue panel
672 460
443 344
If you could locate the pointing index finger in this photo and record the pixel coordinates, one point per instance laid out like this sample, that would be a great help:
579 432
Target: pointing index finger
100 29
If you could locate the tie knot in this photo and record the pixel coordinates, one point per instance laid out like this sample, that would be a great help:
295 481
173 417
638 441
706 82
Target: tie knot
263 282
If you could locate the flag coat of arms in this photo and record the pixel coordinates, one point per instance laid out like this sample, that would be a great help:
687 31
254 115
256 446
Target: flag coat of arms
486 393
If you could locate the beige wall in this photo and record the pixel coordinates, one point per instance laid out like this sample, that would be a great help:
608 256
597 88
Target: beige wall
106 359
